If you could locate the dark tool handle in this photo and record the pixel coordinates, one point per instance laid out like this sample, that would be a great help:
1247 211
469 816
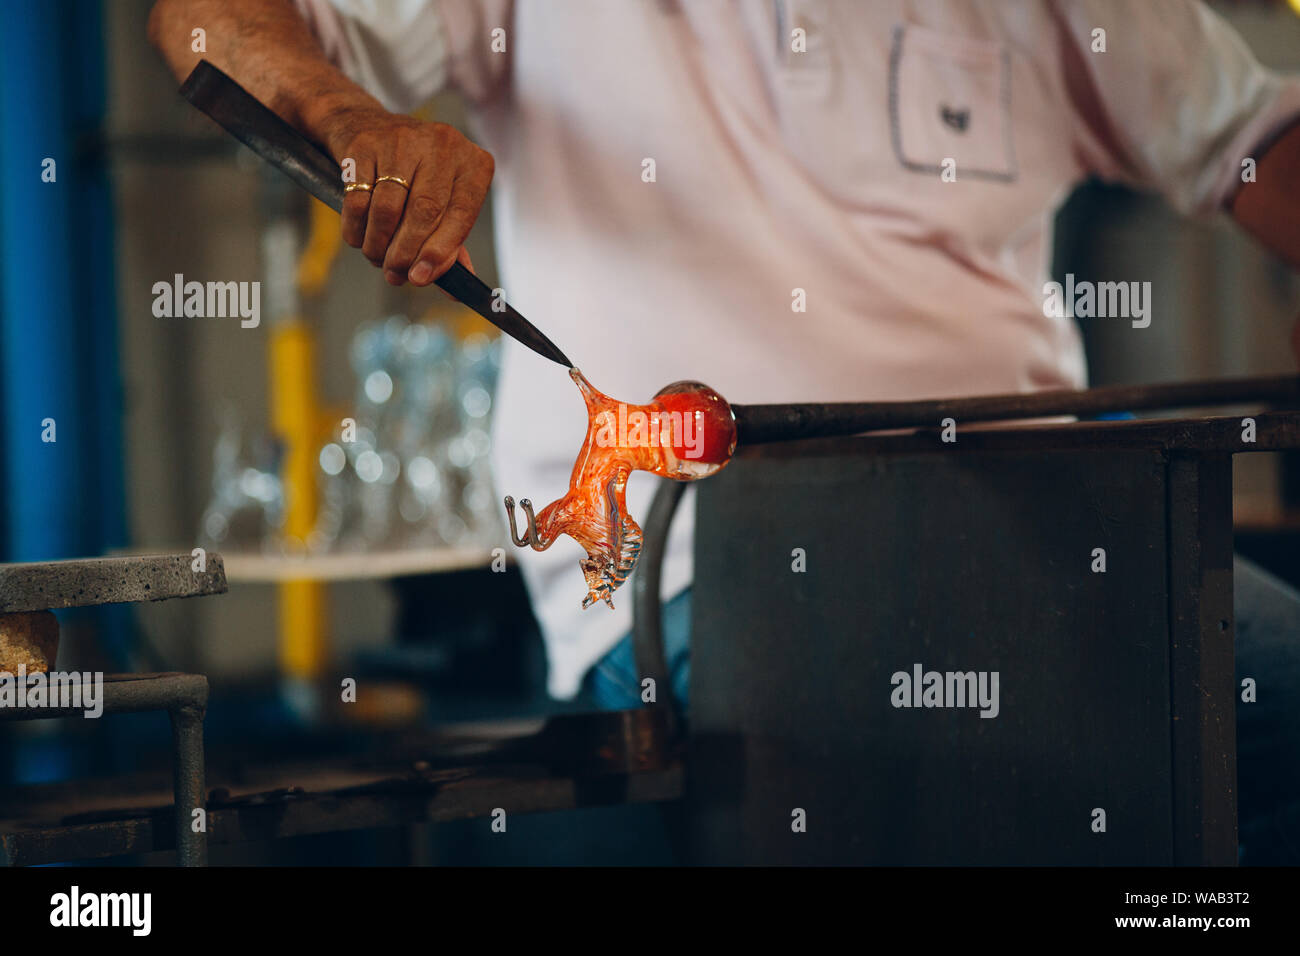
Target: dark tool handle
265 133
256 126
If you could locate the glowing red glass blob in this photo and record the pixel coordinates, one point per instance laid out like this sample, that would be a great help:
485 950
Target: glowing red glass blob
687 431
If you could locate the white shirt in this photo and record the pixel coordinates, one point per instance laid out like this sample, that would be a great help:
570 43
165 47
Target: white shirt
778 171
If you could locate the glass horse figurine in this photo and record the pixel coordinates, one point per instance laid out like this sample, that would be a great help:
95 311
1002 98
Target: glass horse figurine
687 431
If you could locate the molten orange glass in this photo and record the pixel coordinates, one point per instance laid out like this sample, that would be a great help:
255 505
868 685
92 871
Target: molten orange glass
687 432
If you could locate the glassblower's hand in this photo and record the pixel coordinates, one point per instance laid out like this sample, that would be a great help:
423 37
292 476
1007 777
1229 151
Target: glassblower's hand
427 183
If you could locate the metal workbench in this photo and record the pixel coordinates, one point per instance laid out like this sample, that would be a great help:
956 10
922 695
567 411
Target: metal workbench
1118 691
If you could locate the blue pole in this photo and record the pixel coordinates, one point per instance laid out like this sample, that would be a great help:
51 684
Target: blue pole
59 375
60 474
98 314
38 341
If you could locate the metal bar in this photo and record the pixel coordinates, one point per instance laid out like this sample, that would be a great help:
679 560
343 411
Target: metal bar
1202 682
127 694
185 698
758 424
1271 431
326 812
568 762
647 607
187 785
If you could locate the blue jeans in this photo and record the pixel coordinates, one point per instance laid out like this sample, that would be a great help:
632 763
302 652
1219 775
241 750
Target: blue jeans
1267 615
614 681
1268 730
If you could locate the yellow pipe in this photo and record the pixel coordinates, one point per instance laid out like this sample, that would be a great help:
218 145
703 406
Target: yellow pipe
295 419
323 246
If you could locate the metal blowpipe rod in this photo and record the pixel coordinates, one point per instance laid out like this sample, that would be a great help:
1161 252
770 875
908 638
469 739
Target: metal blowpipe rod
759 424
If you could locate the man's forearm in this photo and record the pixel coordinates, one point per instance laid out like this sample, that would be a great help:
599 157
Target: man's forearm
1269 208
266 46
420 185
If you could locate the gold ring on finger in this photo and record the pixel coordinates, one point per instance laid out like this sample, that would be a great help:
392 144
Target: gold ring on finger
393 179
354 187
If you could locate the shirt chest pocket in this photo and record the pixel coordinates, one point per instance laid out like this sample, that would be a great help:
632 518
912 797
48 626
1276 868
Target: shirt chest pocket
950 105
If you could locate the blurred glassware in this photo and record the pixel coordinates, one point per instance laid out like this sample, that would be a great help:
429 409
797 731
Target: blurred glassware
410 469
247 504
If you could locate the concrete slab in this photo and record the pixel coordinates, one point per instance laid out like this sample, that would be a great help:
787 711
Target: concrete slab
85 582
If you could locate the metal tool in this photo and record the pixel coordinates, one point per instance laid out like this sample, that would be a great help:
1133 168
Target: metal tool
92 582
761 424
257 127
767 424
